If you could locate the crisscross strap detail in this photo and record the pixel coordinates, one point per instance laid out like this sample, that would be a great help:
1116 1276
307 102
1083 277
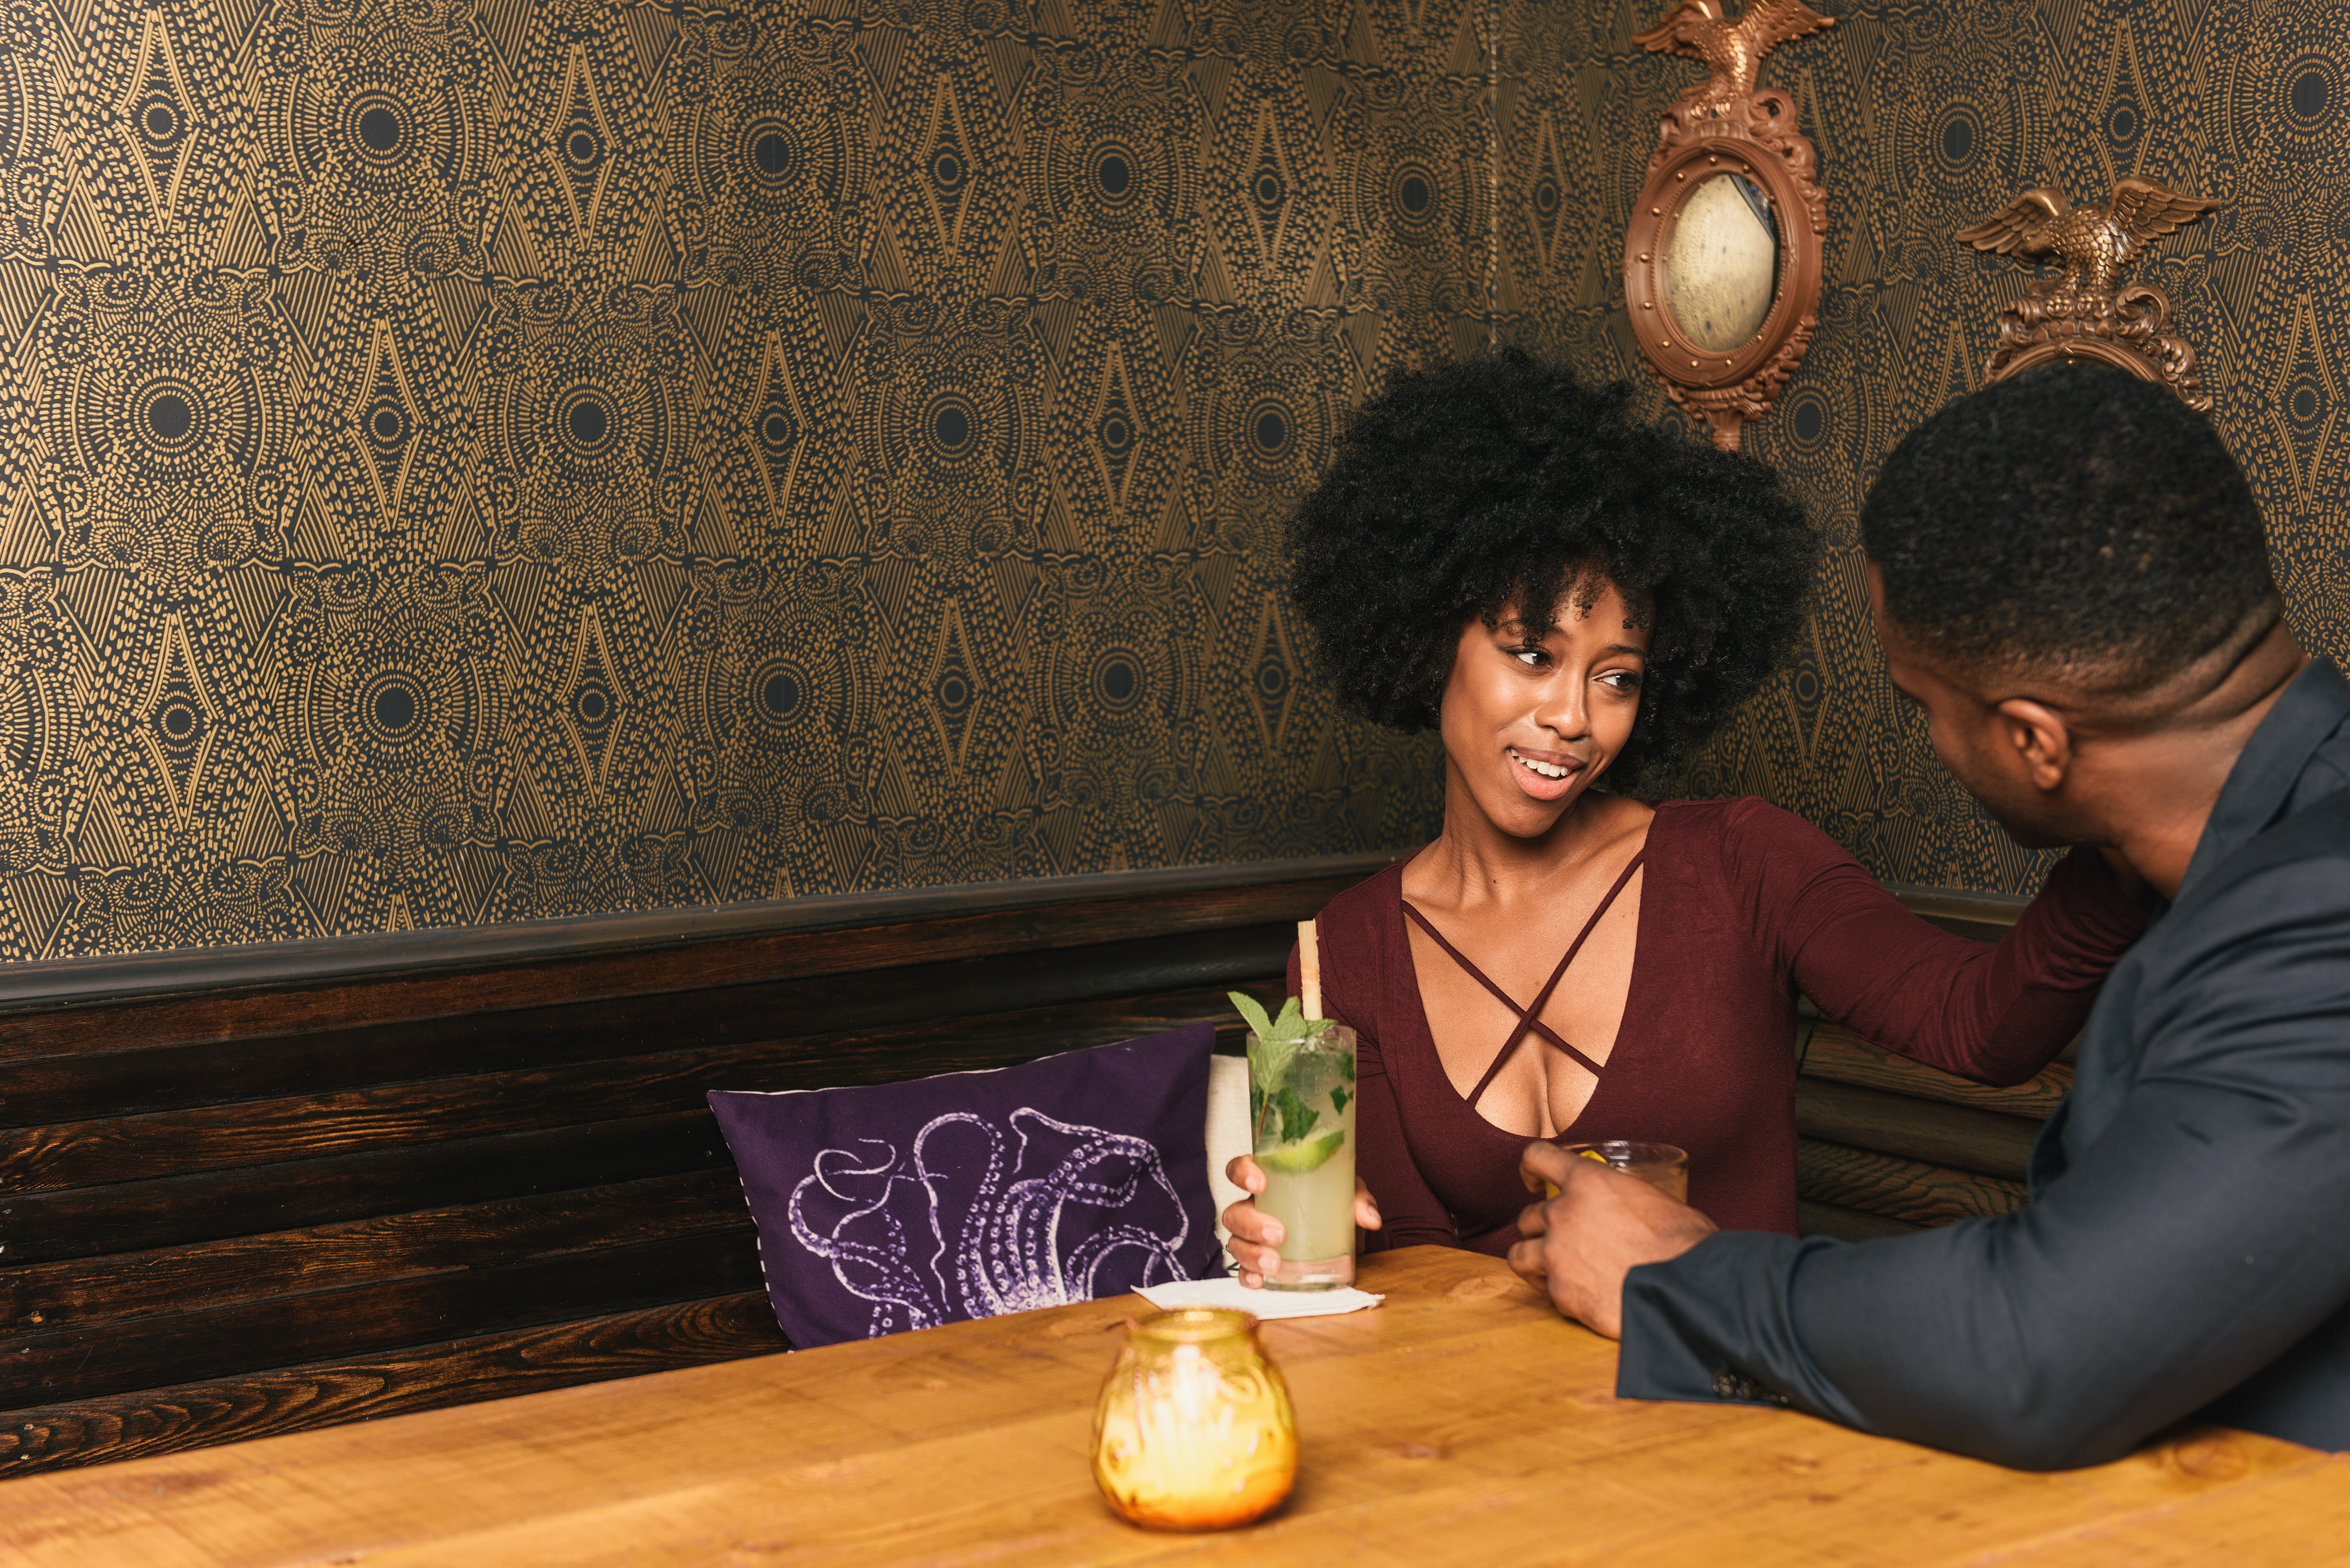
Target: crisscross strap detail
1530 1018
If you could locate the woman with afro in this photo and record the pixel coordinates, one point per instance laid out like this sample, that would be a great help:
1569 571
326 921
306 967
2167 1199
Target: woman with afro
1573 599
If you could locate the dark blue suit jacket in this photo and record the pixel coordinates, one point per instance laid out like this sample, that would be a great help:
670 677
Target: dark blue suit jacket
2188 1245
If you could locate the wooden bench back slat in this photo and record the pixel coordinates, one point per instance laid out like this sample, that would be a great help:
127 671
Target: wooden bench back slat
1987 1141
277 1331
139 1216
664 971
388 1383
1838 1054
88 1292
125 1082
262 1132
1906 1189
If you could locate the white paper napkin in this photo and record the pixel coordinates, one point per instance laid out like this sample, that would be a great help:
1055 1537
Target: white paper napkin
1230 1293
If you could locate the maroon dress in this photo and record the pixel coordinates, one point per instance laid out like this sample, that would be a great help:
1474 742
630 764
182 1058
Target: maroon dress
1742 906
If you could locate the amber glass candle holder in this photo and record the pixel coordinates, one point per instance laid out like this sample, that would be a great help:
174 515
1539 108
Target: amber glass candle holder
1194 1429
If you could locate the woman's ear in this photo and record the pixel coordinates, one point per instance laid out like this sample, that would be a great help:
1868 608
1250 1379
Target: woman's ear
2041 739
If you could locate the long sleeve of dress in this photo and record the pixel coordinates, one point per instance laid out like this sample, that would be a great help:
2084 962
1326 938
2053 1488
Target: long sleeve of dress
2189 1240
1410 1214
1993 1015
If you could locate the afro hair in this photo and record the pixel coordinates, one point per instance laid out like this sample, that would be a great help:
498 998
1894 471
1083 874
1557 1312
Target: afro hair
1469 486
2074 518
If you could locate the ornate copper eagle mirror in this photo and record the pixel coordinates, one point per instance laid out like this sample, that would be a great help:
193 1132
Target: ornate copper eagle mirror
1721 263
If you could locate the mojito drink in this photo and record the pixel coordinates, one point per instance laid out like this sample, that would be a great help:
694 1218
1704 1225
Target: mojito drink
1302 1107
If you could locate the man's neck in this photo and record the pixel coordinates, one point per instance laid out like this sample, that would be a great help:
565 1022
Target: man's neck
2155 788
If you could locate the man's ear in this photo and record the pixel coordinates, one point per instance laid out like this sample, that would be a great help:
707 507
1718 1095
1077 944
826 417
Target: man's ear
2041 739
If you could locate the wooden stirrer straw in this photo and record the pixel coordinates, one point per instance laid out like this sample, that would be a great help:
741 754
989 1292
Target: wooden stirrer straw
1309 968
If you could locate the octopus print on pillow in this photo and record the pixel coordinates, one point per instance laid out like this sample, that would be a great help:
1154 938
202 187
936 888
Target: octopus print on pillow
888 1206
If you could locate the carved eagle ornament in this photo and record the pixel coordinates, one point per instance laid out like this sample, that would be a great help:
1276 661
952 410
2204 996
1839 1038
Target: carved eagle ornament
1731 51
2091 243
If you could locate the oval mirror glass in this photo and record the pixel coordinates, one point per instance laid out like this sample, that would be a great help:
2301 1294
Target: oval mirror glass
1721 268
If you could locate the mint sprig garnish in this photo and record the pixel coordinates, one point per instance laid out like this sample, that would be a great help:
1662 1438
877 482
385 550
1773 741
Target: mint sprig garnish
1277 1041
1291 1026
1297 1116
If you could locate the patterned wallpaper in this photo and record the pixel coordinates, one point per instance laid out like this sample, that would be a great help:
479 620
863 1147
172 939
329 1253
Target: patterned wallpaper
1927 115
471 460
465 462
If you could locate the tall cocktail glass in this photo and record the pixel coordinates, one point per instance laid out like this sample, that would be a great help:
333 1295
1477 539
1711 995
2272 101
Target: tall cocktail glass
1301 1111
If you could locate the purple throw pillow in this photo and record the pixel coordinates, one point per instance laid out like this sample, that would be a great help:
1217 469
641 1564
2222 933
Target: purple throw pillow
895 1206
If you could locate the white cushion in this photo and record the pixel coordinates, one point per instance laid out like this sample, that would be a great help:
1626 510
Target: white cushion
1228 1130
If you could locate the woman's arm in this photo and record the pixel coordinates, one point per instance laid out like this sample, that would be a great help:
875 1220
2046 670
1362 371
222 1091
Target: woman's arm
1995 1015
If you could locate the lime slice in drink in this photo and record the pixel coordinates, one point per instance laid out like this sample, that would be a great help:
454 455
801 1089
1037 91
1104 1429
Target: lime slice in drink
1297 1159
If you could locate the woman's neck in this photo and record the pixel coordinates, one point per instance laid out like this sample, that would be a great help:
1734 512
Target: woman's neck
1473 862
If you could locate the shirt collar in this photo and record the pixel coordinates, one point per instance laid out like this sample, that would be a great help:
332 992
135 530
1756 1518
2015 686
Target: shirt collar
2313 708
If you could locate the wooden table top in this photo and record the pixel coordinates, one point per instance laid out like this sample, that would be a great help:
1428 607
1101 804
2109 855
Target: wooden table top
1461 1422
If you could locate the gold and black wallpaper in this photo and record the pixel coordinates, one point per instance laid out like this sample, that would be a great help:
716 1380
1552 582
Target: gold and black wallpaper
473 460
1927 117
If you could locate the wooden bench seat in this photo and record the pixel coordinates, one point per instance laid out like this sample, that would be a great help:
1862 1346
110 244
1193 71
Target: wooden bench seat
1898 1145
230 1210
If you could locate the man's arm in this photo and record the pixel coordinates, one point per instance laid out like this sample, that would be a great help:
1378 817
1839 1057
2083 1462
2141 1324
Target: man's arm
2201 1236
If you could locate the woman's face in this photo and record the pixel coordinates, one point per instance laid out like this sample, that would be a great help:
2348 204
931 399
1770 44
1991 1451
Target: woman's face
1531 714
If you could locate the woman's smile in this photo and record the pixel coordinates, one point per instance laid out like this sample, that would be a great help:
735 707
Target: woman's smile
1544 775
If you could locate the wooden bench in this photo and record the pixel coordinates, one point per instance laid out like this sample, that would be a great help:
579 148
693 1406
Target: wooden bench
1888 1146
292 1186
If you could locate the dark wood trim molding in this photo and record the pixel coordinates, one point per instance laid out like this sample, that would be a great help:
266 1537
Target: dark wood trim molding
59 982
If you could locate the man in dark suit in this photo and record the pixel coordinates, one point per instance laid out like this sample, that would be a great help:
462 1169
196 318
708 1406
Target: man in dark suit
2069 577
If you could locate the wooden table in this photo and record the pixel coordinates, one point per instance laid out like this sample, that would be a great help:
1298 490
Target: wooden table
1462 1422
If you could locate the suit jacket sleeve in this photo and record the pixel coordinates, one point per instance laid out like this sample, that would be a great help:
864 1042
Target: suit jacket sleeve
2202 1234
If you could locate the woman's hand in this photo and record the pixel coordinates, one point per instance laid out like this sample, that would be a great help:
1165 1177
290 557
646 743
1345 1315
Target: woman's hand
1256 1235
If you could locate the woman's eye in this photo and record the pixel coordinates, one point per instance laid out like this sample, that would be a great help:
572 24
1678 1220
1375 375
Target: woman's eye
1532 656
1622 679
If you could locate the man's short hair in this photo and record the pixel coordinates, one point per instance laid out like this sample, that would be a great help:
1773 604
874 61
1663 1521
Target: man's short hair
2074 519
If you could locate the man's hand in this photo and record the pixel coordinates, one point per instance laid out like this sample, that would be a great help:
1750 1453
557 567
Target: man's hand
1602 1224
1255 1245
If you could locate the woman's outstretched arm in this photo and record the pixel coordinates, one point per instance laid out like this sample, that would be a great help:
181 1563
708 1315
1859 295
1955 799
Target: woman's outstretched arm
1996 1014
